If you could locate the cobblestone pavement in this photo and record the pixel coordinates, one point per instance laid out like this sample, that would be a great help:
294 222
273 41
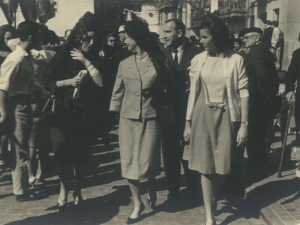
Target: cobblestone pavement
277 198
108 200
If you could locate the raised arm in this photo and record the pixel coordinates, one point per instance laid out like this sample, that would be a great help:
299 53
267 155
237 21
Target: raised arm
93 71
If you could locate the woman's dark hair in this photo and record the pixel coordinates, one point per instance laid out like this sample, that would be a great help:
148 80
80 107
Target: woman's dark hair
138 30
218 30
62 60
3 30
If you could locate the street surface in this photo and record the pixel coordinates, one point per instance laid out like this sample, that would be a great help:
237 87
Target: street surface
108 200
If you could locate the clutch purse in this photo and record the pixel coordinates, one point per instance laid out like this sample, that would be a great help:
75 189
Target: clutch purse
295 154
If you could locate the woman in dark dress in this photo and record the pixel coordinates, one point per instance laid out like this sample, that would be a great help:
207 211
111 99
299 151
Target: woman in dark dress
75 76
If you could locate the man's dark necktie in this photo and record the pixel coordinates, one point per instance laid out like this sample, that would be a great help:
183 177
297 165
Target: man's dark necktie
176 57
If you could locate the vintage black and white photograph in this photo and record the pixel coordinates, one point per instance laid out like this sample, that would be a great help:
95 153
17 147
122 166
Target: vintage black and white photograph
150 112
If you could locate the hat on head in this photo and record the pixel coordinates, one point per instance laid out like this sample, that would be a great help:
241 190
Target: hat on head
121 29
252 30
269 22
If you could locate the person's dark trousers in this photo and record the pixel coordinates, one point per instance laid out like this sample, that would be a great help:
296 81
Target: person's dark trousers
257 132
171 157
173 146
191 177
4 154
232 183
297 117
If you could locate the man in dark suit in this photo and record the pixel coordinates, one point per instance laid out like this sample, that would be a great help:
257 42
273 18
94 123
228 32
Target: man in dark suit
268 33
179 52
263 88
292 76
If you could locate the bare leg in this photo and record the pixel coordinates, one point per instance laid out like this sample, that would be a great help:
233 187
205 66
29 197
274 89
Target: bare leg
210 187
135 191
62 174
30 165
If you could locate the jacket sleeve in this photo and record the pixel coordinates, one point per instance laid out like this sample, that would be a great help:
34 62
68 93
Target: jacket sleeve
118 92
292 74
261 71
194 79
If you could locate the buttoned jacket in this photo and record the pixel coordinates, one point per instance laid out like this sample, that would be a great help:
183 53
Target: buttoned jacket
134 94
236 82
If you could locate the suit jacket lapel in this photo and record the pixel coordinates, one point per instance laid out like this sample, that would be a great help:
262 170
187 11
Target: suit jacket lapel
183 62
132 67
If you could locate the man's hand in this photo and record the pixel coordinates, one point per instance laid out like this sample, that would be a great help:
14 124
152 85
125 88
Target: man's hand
290 97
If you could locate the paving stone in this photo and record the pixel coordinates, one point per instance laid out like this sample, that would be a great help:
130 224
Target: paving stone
108 201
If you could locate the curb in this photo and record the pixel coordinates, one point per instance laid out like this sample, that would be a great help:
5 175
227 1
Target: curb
266 214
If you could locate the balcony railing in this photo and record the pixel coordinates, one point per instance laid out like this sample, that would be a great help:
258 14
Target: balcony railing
236 13
161 4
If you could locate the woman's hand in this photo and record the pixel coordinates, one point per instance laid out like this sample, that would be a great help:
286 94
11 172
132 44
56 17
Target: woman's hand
242 135
187 131
76 81
77 55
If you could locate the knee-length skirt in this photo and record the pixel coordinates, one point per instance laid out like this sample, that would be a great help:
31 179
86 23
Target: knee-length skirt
140 147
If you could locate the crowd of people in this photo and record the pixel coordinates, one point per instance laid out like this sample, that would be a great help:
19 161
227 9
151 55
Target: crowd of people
198 104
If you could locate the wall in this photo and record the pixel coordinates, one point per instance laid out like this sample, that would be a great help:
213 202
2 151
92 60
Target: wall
150 13
68 13
289 23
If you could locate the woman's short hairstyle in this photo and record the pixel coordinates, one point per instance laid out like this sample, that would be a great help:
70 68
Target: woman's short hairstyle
218 30
3 30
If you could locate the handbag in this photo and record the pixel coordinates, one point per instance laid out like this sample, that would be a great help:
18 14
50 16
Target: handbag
48 110
295 154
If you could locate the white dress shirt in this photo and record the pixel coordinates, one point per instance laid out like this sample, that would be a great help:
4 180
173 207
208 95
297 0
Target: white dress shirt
179 53
17 73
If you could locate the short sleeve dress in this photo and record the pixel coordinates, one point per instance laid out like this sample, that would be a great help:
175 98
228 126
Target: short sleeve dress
212 132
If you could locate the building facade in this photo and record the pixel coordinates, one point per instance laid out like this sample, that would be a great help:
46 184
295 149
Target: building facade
192 11
286 12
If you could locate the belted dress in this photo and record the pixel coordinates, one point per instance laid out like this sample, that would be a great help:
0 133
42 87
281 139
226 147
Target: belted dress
212 134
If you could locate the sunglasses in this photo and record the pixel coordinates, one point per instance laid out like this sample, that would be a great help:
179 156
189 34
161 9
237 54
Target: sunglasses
88 39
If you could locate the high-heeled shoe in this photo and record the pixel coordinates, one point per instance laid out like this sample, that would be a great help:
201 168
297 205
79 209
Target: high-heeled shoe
78 200
152 199
61 205
32 181
135 220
